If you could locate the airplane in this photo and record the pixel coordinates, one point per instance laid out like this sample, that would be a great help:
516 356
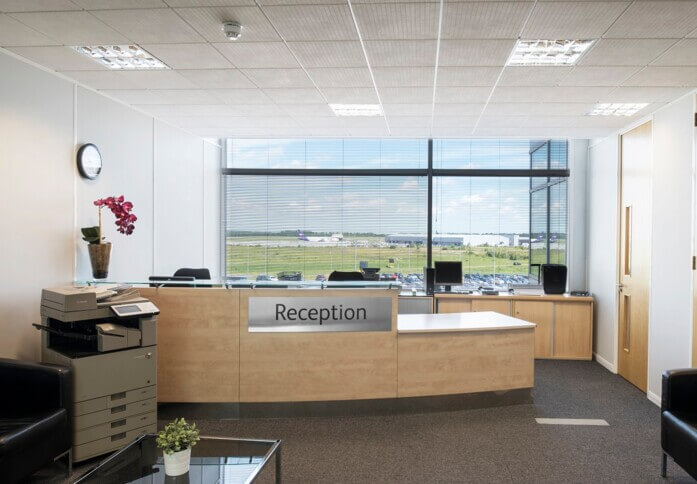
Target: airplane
333 238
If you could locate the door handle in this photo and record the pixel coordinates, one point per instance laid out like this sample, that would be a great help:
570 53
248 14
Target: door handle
620 286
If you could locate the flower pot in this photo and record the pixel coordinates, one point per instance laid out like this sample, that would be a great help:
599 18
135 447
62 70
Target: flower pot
99 257
177 463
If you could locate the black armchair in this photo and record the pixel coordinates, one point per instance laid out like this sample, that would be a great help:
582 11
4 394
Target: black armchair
35 401
679 419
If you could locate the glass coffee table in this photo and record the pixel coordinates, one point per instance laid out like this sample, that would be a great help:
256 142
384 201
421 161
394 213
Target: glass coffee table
213 460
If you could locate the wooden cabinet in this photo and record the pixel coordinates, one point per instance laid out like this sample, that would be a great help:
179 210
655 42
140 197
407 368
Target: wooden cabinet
542 314
564 324
573 330
495 304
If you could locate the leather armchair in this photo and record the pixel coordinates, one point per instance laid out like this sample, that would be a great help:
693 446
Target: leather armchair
679 419
35 428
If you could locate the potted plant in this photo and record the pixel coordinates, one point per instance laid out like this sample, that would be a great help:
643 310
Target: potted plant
98 249
176 441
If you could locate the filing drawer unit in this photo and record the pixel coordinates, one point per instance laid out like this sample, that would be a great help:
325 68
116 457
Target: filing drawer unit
114 364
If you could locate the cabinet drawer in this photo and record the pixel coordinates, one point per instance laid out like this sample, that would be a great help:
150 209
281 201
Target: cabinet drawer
114 413
108 444
114 400
117 372
116 427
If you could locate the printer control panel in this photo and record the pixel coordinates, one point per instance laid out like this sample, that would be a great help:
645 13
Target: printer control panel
136 309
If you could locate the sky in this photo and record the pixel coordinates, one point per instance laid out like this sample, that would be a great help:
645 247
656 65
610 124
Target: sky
382 205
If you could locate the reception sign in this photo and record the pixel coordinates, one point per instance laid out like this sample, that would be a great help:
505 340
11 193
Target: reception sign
319 314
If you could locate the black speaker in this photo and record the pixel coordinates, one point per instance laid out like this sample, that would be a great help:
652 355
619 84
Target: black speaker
553 278
430 279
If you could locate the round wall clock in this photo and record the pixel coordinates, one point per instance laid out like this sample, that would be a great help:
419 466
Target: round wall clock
89 161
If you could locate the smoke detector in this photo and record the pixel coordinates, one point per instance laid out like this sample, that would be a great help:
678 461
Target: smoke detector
232 30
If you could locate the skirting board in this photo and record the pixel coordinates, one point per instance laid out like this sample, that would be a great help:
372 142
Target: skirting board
653 398
384 406
603 362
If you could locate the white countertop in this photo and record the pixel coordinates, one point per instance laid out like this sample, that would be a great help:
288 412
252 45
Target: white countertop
450 322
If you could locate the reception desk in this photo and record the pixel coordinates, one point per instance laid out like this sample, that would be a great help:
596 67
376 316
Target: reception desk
212 349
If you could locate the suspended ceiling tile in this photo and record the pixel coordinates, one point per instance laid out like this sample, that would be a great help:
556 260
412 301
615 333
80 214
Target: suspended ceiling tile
664 76
454 121
321 109
162 96
72 28
217 78
161 25
572 20
208 3
240 96
423 109
257 54
329 54
398 21
403 76
37 5
484 20
475 52
465 95
278 77
534 76
313 22
625 52
508 94
208 22
598 75
208 109
684 53
115 4
341 76
657 19
459 109
520 109
401 95
409 121
188 56
58 58
396 53
467 76
294 96
132 79
350 95
644 94
13 33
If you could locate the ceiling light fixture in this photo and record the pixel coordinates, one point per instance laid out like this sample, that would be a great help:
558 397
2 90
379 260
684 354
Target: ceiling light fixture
356 109
617 109
548 52
127 57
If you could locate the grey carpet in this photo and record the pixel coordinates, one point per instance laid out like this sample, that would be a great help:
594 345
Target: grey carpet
502 444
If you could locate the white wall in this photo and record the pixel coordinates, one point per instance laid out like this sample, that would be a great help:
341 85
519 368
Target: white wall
36 196
171 177
670 309
601 245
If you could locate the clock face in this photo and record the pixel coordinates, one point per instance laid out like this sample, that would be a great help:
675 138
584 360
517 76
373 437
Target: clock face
89 161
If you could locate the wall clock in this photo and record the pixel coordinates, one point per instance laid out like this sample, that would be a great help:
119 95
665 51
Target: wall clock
89 161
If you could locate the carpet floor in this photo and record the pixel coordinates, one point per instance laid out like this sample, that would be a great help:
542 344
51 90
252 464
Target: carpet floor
503 444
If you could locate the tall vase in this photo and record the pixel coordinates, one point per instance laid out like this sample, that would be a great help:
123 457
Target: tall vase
99 257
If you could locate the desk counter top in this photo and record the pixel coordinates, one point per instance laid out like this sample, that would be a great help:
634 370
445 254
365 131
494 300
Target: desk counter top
455 322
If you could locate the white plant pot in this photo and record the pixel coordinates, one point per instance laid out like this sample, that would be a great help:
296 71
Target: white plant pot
177 463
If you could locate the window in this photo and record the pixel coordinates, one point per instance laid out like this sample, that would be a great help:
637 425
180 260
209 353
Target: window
300 209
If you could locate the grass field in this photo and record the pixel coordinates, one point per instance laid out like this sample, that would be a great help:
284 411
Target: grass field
251 256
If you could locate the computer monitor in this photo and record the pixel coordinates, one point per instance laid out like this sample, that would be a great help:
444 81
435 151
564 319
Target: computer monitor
448 273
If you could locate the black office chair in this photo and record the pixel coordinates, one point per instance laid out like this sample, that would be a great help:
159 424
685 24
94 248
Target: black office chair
339 276
679 419
35 427
202 273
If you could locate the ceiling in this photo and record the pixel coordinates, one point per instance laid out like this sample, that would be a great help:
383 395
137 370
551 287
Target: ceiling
437 68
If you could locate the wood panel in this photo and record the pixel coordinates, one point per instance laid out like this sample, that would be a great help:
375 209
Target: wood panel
635 254
294 367
573 333
453 305
198 344
502 306
444 364
542 314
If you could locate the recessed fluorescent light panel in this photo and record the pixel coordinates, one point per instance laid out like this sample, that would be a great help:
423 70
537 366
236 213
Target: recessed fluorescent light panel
617 109
548 52
126 57
356 109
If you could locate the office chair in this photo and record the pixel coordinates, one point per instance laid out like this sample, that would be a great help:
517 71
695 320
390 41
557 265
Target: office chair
202 273
345 276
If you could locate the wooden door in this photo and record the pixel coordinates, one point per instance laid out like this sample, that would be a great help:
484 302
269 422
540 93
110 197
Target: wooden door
542 314
635 254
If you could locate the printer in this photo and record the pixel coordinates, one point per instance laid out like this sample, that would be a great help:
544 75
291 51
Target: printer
108 337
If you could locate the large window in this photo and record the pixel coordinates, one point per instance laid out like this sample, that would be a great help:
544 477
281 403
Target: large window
300 209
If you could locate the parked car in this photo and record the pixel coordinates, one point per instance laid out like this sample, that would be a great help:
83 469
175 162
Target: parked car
266 277
321 277
290 276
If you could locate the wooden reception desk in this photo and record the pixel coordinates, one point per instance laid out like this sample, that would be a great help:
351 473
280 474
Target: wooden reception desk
207 353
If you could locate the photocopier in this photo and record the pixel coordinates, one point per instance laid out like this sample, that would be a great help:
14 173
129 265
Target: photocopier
108 337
